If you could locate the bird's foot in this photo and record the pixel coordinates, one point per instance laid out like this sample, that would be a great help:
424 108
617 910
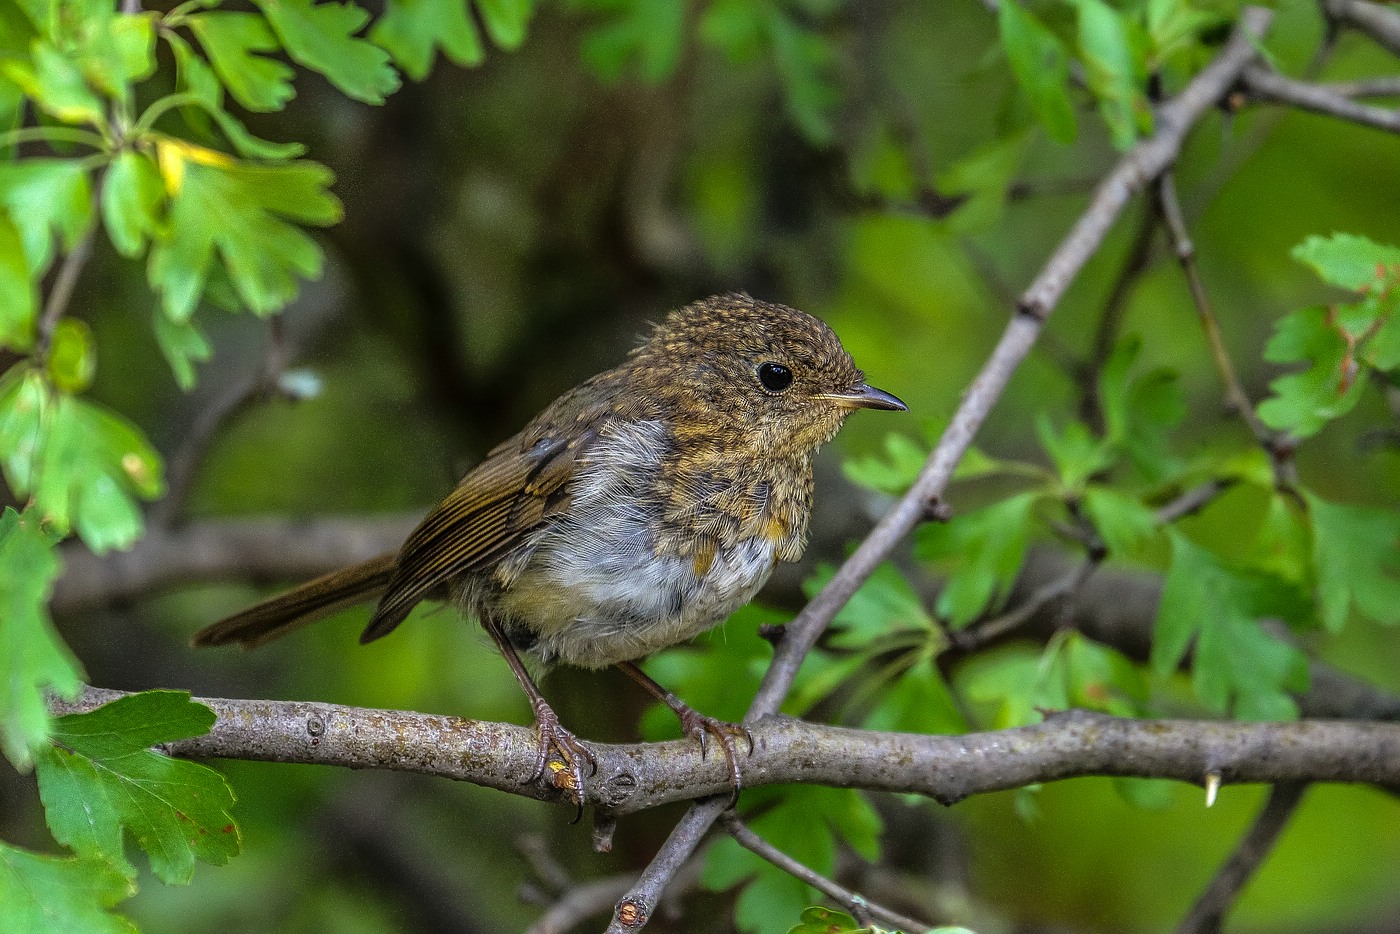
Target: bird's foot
699 726
558 743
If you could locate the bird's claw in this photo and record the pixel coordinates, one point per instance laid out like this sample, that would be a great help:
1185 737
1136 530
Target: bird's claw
699 726
568 749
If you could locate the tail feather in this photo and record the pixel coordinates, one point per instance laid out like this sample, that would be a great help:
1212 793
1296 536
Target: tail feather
312 601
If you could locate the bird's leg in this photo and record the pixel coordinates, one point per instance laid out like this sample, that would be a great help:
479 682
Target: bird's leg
552 733
697 724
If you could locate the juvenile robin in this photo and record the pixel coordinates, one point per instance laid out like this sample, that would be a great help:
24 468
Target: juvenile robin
638 510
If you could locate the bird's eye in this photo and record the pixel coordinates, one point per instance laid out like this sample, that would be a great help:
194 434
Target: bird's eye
774 376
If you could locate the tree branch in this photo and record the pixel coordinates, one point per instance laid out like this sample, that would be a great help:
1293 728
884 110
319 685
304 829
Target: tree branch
1134 171
263 550
635 777
1254 847
1264 84
1380 23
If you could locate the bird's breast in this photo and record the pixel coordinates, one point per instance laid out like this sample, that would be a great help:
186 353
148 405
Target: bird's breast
623 573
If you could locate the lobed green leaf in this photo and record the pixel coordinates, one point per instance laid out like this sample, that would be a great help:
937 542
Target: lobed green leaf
234 42
49 894
321 36
100 778
33 659
413 31
1040 63
1356 552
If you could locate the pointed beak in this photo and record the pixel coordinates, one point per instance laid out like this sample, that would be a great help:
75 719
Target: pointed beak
867 397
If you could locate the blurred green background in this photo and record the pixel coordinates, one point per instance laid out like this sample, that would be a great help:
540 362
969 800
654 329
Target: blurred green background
510 230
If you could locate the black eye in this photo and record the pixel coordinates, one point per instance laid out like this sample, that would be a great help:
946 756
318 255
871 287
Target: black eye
774 376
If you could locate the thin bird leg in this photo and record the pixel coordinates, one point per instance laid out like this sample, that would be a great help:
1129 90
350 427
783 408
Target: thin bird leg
552 734
697 724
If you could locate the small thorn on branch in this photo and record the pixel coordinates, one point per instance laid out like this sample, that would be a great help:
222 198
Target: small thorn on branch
1212 788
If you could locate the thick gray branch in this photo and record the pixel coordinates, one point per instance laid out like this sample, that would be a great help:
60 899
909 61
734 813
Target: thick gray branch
638 776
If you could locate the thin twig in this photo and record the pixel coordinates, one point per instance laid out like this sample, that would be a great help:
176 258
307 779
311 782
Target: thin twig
997 627
238 398
61 293
863 910
1170 205
1135 263
597 896
1269 86
1209 911
1139 166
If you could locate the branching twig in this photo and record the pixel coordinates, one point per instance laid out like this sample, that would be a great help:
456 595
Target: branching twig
640 776
1134 171
1380 23
862 910
1279 456
1264 84
1210 908
61 293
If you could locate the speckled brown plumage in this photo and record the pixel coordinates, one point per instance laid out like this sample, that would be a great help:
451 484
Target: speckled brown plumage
637 510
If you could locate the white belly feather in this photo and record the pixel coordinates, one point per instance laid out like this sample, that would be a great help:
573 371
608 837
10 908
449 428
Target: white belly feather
594 589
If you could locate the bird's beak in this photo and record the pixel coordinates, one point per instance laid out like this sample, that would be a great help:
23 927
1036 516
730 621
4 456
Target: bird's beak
866 397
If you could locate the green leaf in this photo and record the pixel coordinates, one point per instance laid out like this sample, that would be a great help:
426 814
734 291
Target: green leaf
46 197
233 41
100 777
1303 403
322 37
1356 551
1174 25
1015 683
1349 261
413 31
1126 526
985 177
1100 678
1114 70
895 472
806 64
825 921
49 894
650 33
84 466
505 21
183 345
72 356
56 84
884 604
132 197
1040 62
33 659
918 701
1139 410
238 208
1237 663
1076 453
18 294
985 549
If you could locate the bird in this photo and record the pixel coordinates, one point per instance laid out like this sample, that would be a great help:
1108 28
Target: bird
636 511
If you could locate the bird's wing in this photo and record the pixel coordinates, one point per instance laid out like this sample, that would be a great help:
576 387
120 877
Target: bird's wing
515 490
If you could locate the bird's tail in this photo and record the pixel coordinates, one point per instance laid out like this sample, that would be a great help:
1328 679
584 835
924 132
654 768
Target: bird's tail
308 603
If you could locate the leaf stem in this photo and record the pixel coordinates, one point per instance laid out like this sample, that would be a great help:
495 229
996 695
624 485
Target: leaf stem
52 134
